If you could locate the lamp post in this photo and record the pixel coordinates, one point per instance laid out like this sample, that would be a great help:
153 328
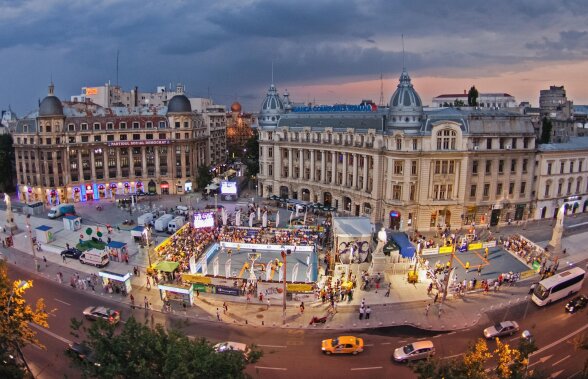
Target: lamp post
23 284
284 258
448 275
29 227
147 232
216 201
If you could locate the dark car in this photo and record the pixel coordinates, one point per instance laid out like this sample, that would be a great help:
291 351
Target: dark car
71 253
82 352
106 314
576 304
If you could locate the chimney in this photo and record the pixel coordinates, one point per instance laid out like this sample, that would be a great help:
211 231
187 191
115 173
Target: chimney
136 96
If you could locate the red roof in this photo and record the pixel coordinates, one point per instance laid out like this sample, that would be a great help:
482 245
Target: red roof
453 96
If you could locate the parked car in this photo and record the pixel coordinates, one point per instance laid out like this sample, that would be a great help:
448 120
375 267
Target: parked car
343 345
82 352
71 253
233 346
106 314
501 329
414 351
576 304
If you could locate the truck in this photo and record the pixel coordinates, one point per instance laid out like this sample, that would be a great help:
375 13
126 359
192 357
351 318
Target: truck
175 224
94 257
145 219
61 210
161 222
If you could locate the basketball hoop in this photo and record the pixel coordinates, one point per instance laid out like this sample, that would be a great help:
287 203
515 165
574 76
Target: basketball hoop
253 257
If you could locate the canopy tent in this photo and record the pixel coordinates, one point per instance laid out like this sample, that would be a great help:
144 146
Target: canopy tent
167 266
407 249
352 227
116 244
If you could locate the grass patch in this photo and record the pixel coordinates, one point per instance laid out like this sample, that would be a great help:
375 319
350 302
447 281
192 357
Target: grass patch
90 244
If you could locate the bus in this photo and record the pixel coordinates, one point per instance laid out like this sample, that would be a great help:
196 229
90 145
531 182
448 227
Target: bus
558 286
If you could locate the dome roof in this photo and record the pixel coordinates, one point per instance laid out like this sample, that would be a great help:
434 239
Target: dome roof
271 108
179 104
406 107
236 107
51 105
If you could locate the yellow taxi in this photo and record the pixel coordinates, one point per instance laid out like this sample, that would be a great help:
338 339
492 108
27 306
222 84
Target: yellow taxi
343 345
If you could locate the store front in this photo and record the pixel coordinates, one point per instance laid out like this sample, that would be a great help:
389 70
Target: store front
89 193
139 187
53 197
116 282
113 189
102 191
152 187
328 199
164 188
519 212
188 186
177 293
394 220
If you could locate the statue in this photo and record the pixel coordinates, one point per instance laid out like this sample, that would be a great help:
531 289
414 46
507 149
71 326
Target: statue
10 225
558 229
382 240
379 262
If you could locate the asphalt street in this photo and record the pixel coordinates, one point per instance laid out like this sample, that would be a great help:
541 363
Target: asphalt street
296 353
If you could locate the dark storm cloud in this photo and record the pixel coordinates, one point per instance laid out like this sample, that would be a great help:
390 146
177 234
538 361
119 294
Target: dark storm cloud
225 48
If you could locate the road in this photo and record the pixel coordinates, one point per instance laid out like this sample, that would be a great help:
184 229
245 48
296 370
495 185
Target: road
290 352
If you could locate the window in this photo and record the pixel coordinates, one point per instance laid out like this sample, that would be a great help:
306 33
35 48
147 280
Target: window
501 166
446 139
488 167
547 188
161 124
561 167
498 189
571 166
511 188
149 125
110 137
136 137
122 125
559 188
71 128
109 126
398 167
398 144
97 138
135 125
161 135
186 124
486 190
270 152
412 192
489 143
48 141
580 166
149 136
474 167
569 187
48 129
414 144
96 126
177 124
549 166
513 165
396 192
122 137
473 190
413 167
523 187
84 138
525 162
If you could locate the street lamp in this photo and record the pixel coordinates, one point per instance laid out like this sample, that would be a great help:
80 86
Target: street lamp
284 289
216 201
32 242
23 284
147 231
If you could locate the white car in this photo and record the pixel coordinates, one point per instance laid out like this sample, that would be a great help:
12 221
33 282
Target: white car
232 346
501 329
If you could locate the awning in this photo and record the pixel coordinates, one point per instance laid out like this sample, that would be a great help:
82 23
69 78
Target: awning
116 245
211 187
167 266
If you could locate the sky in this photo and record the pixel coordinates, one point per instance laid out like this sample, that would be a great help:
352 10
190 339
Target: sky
323 51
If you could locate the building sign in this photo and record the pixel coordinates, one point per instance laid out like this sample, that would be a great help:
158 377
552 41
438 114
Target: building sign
203 220
223 290
140 143
228 187
337 108
91 91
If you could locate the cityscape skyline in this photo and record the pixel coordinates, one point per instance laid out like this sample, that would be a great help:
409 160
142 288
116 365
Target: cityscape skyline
321 52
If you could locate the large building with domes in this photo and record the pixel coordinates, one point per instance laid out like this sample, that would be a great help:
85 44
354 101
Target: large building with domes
405 166
69 151
239 130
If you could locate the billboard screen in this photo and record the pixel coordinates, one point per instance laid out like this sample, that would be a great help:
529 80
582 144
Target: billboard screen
203 220
229 188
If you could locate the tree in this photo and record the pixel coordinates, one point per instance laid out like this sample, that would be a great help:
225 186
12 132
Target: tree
15 318
137 351
204 176
6 163
458 103
252 156
473 97
546 130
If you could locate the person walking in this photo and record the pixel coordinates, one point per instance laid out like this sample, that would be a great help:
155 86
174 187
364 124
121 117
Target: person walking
467 266
387 294
218 314
368 312
60 277
361 312
436 297
479 270
45 261
132 301
430 288
64 258
146 302
225 307
486 253
302 307
427 309
268 303
148 285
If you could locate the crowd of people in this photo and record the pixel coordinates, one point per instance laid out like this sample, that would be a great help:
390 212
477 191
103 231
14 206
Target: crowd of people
524 248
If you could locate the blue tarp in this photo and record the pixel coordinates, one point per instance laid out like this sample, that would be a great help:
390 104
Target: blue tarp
116 244
138 229
43 228
407 249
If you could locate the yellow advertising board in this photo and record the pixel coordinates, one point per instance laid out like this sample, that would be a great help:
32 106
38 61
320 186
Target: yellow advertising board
191 278
91 91
527 274
299 287
445 249
475 246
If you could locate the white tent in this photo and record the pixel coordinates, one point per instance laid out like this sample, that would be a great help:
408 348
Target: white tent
352 233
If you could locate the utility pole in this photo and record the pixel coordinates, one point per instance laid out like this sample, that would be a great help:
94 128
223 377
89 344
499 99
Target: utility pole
284 258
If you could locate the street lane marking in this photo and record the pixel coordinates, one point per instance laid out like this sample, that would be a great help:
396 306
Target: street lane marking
271 368
561 360
555 343
453 356
44 330
451 333
61 301
368 344
273 346
366 368
386 343
402 341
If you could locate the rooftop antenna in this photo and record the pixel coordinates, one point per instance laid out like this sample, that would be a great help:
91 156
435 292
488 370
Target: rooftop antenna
272 71
403 65
381 103
117 53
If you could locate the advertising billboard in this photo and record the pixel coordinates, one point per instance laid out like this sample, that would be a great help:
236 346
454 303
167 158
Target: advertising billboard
204 220
228 188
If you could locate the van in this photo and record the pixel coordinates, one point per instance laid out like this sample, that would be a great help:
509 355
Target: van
61 210
145 219
162 222
94 257
414 351
181 210
175 224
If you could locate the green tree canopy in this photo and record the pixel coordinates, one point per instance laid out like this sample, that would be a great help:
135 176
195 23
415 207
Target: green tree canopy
473 97
204 176
136 351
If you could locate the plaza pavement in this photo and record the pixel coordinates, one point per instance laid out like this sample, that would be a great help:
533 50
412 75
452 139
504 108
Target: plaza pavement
405 305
